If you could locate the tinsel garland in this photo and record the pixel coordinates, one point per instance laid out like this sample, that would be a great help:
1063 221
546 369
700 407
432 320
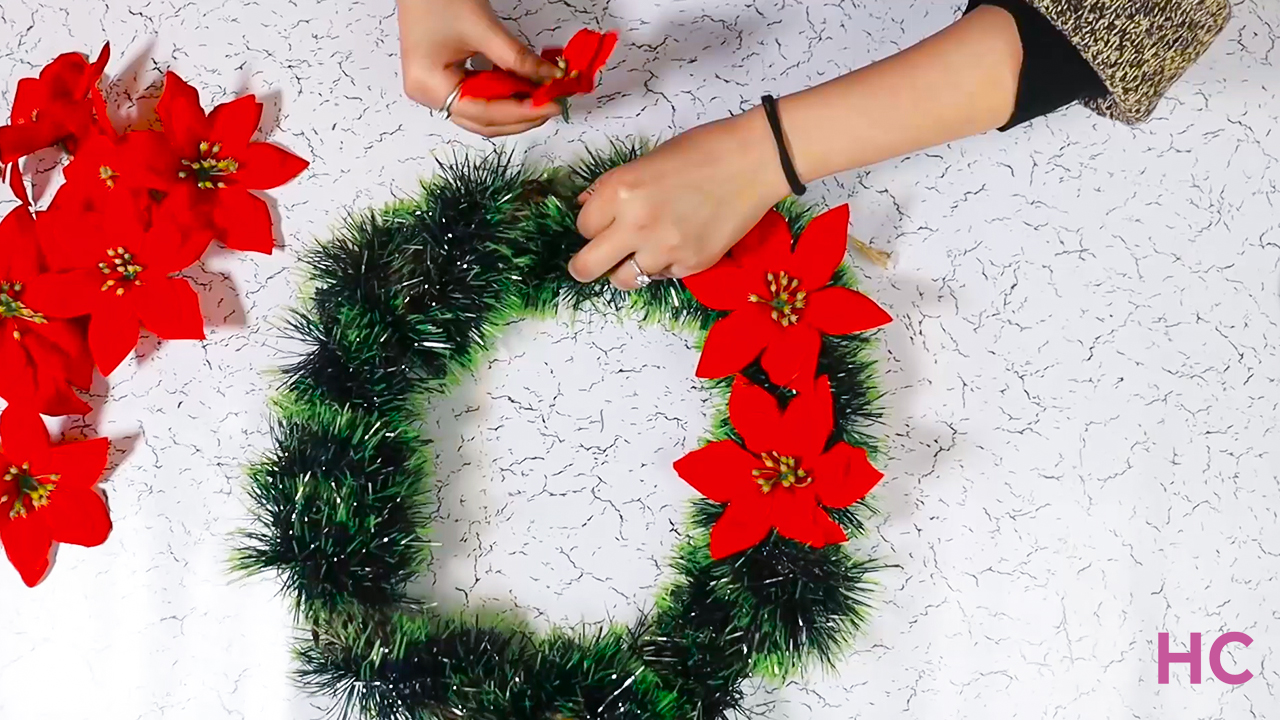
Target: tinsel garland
404 301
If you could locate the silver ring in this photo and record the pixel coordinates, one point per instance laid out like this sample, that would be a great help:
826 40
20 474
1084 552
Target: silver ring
447 111
642 278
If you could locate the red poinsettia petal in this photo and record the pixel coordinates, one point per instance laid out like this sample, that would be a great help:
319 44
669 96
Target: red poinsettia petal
18 380
53 394
755 415
723 286
67 340
94 72
77 517
821 247
720 470
27 543
840 311
797 516
766 247
604 50
29 95
743 525
18 141
244 221
843 476
264 166
19 248
66 294
806 425
71 238
23 435
92 156
232 124
184 121
496 84
791 359
16 183
113 333
734 341
80 464
170 308
102 121
151 163
587 51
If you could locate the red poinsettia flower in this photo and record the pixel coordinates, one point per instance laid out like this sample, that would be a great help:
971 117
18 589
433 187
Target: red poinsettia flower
779 300
784 476
47 492
208 164
102 167
122 275
41 358
63 105
581 60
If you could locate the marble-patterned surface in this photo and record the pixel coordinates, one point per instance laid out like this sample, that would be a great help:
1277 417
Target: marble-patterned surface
1083 382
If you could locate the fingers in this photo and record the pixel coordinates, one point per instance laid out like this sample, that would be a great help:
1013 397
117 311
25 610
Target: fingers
510 54
598 211
489 118
493 113
626 276
430 86
601 255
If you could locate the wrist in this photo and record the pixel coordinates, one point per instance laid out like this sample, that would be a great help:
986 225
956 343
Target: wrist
756 143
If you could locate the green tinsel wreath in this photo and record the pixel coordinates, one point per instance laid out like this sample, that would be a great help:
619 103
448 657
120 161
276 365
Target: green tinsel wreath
403 301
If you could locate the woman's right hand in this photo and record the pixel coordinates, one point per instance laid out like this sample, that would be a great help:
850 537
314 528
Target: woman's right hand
436 39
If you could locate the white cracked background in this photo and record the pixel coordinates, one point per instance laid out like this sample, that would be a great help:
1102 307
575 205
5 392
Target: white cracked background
1082 379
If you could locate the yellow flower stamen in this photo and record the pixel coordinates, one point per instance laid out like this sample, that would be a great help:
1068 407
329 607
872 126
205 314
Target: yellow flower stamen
32 490
208 167
121 270
785 298
781 470
11 307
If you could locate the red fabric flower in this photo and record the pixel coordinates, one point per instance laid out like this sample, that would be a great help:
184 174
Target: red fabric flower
102 168
779 300
63 105
208 164
581 60
122 275
41 358
784 476
47 493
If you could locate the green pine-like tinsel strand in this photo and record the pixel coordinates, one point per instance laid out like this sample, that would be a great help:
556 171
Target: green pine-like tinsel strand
402 302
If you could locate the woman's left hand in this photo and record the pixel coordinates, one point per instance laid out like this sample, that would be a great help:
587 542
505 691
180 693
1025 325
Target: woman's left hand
679 208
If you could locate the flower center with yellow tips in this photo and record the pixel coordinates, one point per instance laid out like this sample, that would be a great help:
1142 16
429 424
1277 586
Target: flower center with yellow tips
11 307
209 169
780 470
107 176
29 492
564 68
785 298
121 271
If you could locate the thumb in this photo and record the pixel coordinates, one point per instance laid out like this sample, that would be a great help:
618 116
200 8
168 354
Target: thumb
510 54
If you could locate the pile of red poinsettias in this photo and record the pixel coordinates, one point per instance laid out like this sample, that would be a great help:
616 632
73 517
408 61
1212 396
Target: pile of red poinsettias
81 278
780 302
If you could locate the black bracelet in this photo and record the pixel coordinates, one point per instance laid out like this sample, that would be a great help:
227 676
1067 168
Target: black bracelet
770 104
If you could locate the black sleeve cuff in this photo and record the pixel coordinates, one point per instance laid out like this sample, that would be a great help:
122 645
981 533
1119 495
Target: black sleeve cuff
1054 74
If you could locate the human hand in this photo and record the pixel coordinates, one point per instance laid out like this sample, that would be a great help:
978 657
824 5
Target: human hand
679 208
436 39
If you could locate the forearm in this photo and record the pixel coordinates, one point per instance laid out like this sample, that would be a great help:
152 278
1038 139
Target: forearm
959 82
